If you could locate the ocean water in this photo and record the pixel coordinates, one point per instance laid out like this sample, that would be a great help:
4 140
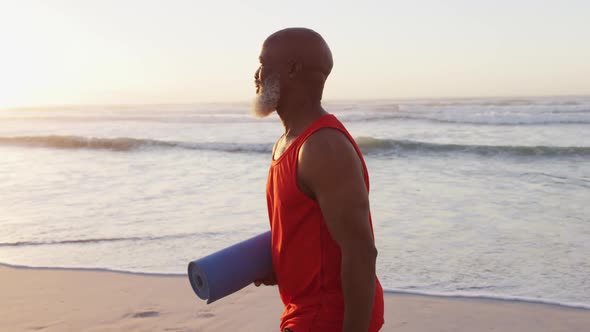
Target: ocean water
470 197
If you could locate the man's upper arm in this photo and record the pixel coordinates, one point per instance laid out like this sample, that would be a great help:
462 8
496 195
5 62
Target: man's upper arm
331 170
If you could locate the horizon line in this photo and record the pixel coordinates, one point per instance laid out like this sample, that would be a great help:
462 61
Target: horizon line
329 100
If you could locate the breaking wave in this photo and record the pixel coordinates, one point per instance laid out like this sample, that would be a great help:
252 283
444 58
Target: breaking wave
124 144
368 145
375 145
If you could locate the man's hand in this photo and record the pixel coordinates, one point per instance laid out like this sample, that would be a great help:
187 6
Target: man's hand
269 280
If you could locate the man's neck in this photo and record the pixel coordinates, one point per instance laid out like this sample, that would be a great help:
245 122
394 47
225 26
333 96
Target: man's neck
296 117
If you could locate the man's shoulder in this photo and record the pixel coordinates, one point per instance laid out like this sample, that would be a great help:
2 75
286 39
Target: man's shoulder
326 141
328 152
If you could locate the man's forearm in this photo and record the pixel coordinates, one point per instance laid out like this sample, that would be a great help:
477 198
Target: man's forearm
358 287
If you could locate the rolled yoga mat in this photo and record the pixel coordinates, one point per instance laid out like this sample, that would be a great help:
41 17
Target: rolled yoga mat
231 269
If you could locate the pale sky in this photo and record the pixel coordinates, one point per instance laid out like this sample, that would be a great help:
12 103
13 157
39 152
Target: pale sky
170 51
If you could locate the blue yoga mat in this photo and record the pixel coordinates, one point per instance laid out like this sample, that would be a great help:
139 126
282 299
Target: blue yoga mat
231 269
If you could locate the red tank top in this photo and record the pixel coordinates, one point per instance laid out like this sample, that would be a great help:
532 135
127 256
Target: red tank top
306 260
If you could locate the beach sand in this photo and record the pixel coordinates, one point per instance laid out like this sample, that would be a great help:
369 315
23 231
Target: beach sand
80 300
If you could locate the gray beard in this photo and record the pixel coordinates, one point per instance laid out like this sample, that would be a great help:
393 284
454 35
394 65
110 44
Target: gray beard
266 102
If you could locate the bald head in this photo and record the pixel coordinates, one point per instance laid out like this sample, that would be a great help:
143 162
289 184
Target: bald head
303 47
294 66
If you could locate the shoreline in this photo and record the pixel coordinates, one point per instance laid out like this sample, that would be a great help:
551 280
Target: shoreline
386 291
72 300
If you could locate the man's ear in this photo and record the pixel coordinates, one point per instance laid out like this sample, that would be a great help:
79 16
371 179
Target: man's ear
294 68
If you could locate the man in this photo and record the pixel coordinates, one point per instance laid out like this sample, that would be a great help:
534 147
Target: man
323 249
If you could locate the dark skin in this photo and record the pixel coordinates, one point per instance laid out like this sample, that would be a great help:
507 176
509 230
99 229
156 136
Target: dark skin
329 169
